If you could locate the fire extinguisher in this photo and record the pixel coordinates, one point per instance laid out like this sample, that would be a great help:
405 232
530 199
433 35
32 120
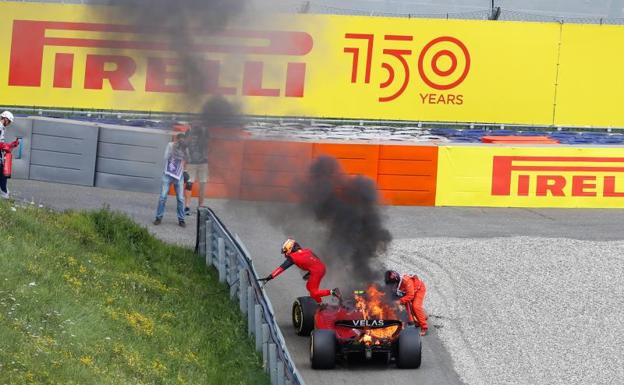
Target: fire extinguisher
7 165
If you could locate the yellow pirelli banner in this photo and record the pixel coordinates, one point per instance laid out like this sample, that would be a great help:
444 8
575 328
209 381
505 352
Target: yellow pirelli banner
530 177
291 65
60 55
590 88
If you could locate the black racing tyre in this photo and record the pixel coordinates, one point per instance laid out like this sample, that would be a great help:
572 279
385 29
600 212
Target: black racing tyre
409 349
323 349
303 311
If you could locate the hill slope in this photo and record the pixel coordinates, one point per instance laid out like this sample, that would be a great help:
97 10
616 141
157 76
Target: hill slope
92 298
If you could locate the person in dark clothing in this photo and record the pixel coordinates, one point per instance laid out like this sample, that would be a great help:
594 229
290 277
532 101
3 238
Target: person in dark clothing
197 165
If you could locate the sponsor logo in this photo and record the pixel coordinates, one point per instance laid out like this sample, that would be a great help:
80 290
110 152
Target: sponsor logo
443 64
33 39
361 323
557 176
367 323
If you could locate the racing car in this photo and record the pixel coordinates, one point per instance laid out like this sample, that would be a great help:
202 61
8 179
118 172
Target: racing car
363 325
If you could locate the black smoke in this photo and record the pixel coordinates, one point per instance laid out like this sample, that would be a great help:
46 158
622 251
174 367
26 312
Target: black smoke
183 23
348 208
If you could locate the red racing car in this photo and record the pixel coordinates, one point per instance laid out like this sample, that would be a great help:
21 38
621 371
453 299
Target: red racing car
364 325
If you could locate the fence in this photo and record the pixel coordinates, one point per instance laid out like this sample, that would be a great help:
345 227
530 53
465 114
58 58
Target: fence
229 256
578 13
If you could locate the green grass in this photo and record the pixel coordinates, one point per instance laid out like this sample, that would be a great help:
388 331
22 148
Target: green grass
92 298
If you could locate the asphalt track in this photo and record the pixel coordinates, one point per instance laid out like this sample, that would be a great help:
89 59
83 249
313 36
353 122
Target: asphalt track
250 221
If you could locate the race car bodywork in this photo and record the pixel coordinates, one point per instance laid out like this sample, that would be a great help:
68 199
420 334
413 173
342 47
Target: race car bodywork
338 331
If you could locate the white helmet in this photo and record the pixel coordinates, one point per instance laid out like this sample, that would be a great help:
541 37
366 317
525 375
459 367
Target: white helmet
8 115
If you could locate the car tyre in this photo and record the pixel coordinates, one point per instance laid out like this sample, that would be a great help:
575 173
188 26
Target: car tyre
323 349
409 349
303 312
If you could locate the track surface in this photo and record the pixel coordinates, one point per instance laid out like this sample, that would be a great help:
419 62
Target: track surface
263 240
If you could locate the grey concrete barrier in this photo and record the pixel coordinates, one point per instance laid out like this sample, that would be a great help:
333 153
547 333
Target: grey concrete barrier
229 256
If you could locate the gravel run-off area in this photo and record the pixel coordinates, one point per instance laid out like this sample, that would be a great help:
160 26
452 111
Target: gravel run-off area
523 310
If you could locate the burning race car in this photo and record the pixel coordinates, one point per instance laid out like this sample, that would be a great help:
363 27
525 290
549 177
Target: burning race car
365 325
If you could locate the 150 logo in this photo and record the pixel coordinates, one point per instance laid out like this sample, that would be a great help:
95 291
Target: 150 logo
443 64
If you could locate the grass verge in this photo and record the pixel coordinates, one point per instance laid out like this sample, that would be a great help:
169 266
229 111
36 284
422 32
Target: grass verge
92 298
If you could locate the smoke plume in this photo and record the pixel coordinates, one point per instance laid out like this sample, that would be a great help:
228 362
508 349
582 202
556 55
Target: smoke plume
186 25
348 208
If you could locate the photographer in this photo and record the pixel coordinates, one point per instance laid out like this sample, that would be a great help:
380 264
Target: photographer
6 118
176 155
197 165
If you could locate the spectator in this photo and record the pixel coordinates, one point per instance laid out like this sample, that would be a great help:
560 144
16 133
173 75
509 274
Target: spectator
176 154
197 165
6 118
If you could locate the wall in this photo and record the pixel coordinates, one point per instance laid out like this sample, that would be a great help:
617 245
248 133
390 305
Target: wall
130 158
89 154
270 170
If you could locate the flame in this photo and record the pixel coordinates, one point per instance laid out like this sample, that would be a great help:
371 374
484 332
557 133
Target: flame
373 306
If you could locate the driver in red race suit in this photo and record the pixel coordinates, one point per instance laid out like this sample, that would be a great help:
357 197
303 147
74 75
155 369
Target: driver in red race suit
308 262
411 291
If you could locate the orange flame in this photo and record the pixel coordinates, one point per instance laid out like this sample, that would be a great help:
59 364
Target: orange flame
373 306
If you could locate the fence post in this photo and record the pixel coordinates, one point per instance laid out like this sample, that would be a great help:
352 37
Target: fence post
265 347
221 259
201 233
258 326
208 241
232 271
280 372
251 317
273 363
234 289
242 290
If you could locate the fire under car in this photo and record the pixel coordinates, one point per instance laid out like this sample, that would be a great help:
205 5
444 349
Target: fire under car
367 325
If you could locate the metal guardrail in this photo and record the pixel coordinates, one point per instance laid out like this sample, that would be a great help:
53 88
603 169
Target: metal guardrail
227 253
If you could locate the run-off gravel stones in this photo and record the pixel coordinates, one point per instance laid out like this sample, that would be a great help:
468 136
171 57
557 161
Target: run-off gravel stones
524 310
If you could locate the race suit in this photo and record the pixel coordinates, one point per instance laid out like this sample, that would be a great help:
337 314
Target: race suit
4 149
307 261
413 292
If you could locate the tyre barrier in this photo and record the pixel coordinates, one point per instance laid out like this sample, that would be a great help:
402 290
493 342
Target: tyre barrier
228 255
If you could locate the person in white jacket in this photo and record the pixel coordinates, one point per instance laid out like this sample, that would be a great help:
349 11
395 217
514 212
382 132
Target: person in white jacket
6 118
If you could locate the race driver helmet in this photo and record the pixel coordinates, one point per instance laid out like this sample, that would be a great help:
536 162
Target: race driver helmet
289 246
392 276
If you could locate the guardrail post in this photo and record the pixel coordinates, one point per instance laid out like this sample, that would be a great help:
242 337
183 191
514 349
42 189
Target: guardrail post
208 241
232 266
273 363
265 347
234 290
258 325
280 372
221 259
201 233
242 290
251 314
